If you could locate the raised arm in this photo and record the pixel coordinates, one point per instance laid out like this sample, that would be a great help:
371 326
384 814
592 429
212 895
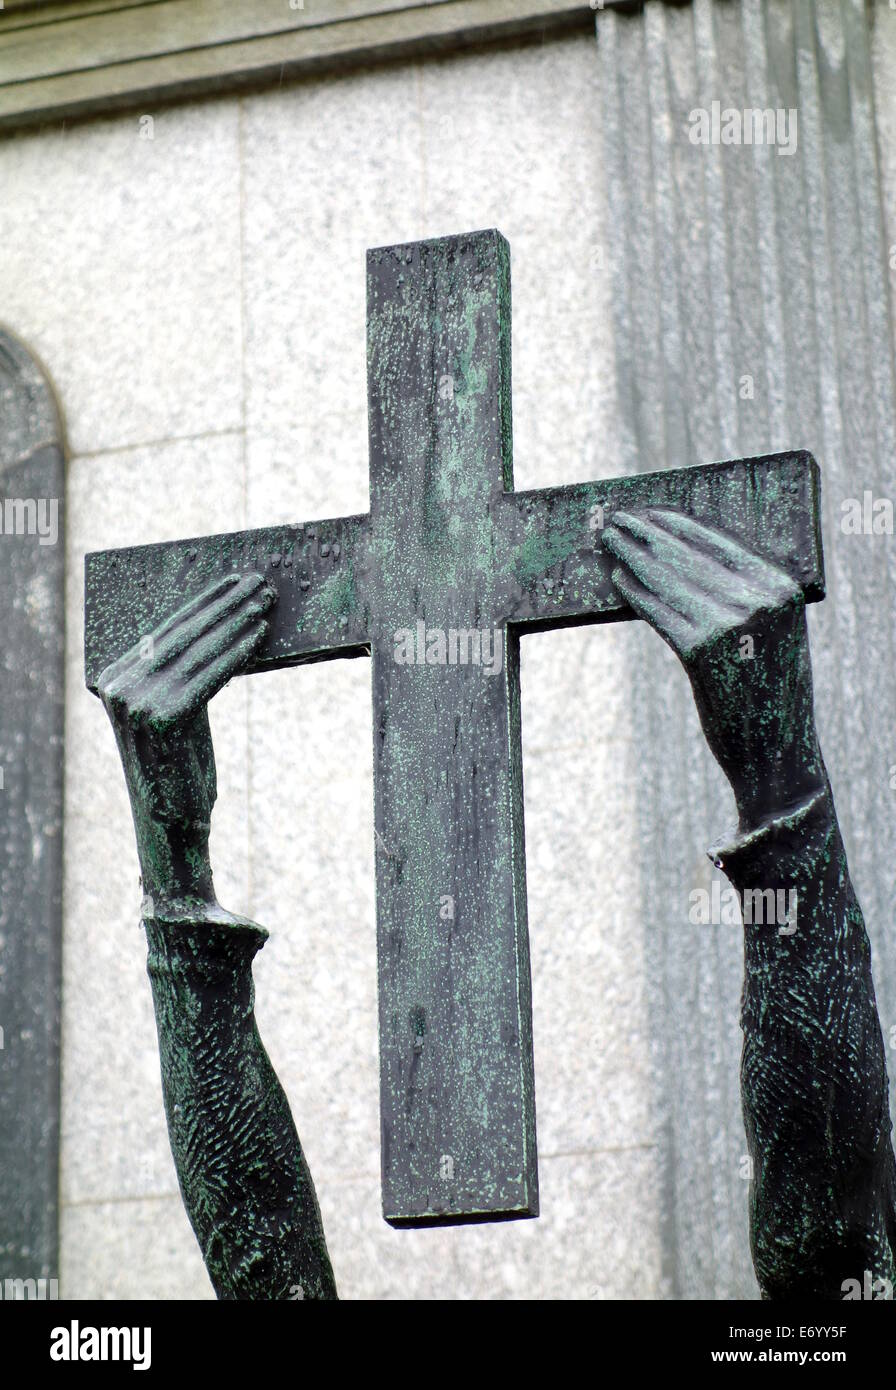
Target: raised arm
813 1074
242 1173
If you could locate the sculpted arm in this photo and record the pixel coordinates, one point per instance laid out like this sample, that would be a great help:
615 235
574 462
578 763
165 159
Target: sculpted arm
242 1173
813 1073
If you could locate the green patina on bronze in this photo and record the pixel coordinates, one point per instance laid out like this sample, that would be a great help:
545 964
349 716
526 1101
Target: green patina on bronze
449 544
242 1173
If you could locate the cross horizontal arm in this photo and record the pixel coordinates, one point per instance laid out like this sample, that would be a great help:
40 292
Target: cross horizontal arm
318 614
556 572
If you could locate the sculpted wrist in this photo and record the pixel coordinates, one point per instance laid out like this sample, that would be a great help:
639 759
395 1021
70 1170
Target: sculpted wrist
176 879
777 802
794 774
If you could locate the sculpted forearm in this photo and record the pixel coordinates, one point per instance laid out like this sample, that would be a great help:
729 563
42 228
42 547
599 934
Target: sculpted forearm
813 1073
242 1173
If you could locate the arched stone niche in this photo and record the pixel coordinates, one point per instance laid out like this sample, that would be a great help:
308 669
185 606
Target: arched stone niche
32 632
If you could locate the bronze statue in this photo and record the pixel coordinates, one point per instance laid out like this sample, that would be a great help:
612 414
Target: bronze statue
814 1080
437 583
242 1173
721 560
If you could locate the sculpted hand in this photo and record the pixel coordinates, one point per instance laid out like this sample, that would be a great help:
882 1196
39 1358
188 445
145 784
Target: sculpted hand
738 624
156 696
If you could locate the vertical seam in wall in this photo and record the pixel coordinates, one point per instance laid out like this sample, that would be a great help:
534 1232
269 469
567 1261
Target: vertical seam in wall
883 982
858 65
880 166
244 402
678 430
418 83
719 204
833 392
623 212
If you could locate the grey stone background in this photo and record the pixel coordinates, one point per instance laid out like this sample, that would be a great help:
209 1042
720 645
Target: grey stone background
744 268
199 301
32 698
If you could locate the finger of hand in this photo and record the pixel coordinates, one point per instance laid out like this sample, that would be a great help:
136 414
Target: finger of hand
724 548
221 586
221 638
671 582
137 654
699 573
206 616
676 630
214 675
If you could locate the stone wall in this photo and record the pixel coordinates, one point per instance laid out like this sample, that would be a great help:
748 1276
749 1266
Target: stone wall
199 299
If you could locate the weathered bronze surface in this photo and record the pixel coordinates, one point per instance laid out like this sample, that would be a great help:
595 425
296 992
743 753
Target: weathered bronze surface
813 1072
448 547
242 1173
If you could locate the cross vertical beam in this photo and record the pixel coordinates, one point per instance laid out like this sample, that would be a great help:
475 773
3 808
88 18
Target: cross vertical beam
456 1073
